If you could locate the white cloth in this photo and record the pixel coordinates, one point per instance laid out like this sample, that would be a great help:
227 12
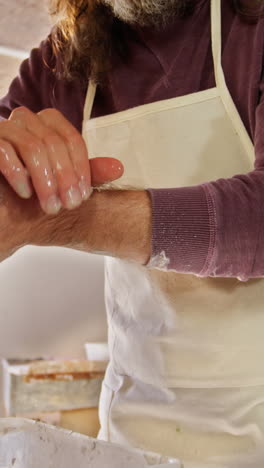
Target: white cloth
186 375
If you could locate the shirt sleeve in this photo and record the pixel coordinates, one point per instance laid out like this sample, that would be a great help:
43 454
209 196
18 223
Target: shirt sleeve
33 87
215 229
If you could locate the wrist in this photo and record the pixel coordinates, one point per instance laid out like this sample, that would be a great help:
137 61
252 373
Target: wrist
113 223
119 224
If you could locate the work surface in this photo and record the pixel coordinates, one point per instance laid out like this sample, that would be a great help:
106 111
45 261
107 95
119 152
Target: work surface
28 444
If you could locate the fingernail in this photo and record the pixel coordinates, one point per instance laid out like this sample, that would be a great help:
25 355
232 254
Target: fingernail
23 189
117 167
53 205
85 189
73 198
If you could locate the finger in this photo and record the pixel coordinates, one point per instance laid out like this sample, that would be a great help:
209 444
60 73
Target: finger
58 155
32 152
75 144
14 171
67 180
105 170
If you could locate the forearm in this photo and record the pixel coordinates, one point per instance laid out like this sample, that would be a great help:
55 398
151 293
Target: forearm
114 223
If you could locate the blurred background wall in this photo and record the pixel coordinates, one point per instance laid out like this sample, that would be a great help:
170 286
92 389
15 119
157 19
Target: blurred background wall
51 299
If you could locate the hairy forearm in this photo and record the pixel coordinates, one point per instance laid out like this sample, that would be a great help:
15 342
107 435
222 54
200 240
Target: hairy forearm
114 223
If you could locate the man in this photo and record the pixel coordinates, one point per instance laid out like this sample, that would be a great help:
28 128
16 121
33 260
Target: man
185 335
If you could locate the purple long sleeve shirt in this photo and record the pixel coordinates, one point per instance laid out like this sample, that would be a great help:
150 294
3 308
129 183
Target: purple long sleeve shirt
214 229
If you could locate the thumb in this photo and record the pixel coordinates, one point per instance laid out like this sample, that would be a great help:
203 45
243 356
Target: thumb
105 170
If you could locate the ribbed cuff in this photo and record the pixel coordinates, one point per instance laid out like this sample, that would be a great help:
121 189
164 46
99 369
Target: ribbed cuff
180 229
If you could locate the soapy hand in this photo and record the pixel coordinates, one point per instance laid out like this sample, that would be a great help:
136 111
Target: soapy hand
45 154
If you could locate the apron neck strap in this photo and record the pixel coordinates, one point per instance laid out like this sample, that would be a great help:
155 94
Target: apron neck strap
216 30
89 102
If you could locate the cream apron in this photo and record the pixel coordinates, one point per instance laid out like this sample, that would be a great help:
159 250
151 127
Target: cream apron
186 376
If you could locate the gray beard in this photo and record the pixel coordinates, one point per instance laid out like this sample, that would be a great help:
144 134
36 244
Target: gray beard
148 12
